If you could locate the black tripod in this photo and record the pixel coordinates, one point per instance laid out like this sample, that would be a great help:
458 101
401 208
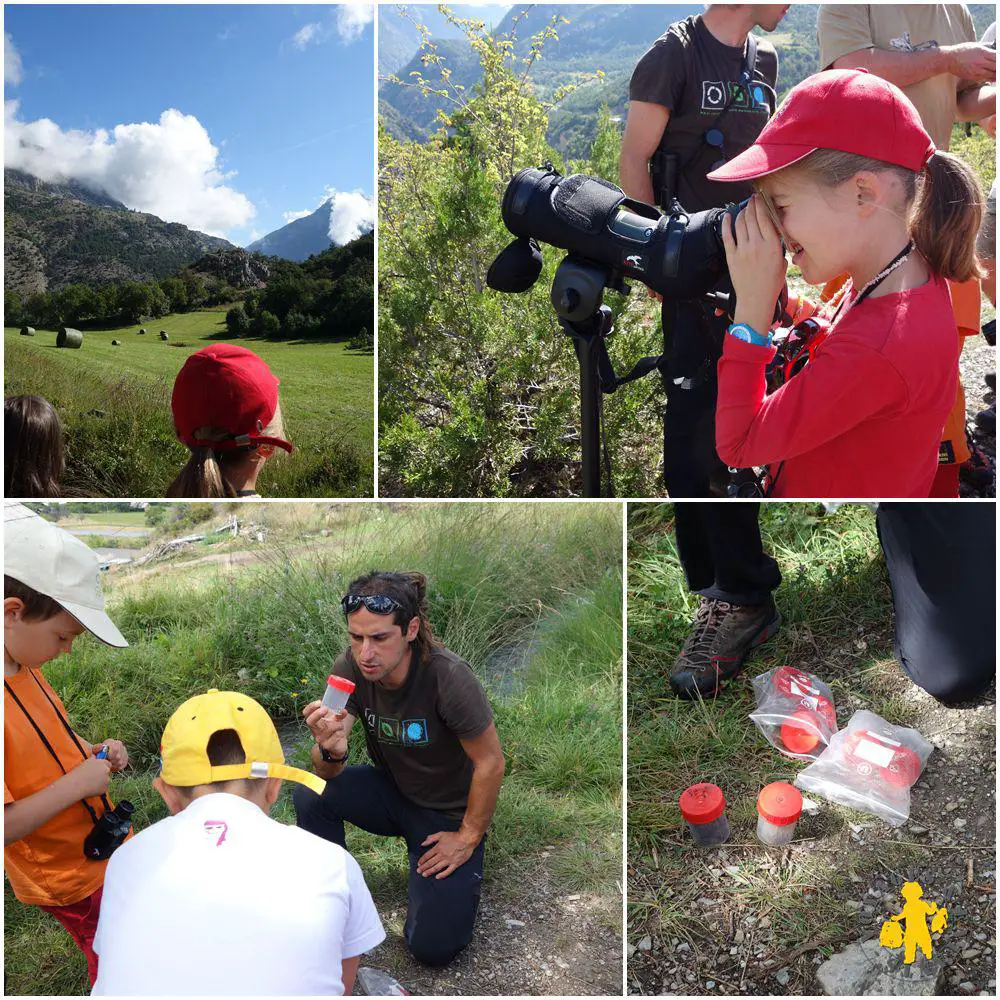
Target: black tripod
577 294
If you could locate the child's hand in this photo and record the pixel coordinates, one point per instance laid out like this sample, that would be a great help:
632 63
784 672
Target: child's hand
91 777
117 755
327 727
756 264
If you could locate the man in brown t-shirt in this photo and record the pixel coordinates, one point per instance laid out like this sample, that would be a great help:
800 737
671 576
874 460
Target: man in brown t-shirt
697 97
437 760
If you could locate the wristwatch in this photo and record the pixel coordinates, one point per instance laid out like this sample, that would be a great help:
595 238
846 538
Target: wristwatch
329 758
746 333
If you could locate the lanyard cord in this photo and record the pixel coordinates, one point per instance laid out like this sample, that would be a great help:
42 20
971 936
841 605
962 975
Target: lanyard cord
896 261
48 745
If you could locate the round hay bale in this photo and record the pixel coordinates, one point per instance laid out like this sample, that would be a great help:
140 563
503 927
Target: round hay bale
164 335
116 343
142 332
68 337
27 331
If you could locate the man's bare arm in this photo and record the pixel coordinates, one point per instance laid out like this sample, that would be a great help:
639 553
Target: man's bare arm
976 102
968 61
643 131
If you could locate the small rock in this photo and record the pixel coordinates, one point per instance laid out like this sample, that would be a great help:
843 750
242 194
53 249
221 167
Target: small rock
645 943
951 806
971 953
515 923
710 985
918 831
782 975
684 946
959 824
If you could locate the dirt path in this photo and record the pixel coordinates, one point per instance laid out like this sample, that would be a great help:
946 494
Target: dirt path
530 939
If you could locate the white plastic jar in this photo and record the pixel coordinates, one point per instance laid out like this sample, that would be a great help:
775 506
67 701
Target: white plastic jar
779 807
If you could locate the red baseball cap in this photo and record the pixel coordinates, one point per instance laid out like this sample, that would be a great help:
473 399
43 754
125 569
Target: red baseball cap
850 110
230 388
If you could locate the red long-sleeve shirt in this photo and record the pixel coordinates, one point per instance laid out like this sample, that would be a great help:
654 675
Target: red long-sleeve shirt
863 419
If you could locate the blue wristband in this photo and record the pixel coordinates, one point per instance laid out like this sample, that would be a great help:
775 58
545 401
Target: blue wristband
746 333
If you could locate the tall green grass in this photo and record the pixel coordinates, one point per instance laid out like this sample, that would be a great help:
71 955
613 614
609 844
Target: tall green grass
114 404
529 595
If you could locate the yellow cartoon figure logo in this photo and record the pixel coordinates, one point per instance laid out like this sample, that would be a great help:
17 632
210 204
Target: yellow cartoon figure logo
908 930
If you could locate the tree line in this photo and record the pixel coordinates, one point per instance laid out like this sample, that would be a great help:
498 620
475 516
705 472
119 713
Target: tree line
329 295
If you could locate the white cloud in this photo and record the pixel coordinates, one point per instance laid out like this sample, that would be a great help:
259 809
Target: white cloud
352 18
347 22
305 35
169 168
351 214
292 216
13 71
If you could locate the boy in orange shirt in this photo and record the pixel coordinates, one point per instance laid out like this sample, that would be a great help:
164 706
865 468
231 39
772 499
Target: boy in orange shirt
54 784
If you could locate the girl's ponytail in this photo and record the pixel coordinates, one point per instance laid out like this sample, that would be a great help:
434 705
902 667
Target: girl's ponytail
201 477
946 216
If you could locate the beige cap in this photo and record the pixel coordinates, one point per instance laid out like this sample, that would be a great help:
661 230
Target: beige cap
54 563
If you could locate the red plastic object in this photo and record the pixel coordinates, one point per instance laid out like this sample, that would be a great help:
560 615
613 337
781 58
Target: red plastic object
801 733
793 682
872 754
340 683
702 803
780 803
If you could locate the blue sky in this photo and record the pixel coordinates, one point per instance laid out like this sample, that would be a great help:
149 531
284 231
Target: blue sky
284 94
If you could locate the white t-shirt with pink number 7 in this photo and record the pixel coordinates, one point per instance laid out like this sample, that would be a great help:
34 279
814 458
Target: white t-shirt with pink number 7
223 900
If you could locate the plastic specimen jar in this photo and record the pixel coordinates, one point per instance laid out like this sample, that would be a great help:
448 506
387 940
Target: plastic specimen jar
338 690
779 807
703 807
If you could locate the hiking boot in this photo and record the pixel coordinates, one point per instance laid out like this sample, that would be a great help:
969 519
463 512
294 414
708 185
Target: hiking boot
722 636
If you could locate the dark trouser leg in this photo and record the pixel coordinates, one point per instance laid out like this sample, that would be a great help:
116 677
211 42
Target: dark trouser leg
942 569
441 912
722 554
690 462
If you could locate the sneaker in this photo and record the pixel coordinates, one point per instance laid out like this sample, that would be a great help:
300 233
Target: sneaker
986 420
976 471
721 637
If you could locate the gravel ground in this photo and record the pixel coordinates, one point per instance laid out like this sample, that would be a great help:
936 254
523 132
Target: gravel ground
530 940
977 359
948 845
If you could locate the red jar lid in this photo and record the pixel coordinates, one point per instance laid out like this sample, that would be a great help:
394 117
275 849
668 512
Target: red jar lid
340 683
800 733
702 803
780 803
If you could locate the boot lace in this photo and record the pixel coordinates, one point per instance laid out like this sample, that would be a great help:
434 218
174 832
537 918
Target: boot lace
708 621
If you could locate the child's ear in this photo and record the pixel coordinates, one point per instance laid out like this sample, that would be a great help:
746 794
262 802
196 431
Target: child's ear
868 190
12 608
171 799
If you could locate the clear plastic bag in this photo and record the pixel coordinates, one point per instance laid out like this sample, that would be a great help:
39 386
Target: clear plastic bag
794 712
871 765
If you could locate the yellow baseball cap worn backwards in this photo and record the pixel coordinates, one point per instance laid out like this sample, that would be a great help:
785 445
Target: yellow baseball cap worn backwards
184 747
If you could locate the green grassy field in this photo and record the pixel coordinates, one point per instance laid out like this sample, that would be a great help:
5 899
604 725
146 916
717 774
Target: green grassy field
114 403
530 595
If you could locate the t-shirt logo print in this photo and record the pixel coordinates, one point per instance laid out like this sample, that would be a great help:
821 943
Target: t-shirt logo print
214 826
415 732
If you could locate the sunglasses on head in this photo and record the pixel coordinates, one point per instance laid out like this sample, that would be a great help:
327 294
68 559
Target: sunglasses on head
377 604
